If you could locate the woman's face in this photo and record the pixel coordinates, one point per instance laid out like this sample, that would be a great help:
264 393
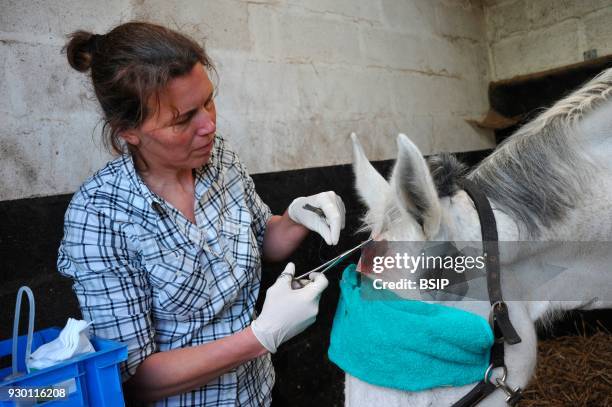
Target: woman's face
180 133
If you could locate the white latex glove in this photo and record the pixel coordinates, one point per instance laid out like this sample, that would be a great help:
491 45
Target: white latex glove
287 312
333 208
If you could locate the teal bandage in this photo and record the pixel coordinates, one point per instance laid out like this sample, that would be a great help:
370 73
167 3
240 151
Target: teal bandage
405 344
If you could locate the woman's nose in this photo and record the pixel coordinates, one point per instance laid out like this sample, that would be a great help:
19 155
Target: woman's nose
205 123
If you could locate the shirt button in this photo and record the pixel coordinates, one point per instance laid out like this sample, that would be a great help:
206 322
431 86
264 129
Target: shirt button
157 207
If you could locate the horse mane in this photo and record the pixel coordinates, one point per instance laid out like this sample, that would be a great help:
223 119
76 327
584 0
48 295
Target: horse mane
539 173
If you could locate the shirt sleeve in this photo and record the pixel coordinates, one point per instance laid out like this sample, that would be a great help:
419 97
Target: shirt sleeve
100 255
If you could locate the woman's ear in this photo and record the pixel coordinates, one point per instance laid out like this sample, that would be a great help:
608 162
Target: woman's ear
131 136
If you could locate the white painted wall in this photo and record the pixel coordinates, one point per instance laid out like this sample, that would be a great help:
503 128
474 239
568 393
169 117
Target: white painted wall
527 36
296 78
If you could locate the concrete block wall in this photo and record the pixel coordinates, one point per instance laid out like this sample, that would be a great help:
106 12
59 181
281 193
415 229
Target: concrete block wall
527 36
296 77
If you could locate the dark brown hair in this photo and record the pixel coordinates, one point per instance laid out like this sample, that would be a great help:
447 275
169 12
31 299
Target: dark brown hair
129 65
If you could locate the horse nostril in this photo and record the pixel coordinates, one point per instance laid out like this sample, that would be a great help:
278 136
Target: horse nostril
375 248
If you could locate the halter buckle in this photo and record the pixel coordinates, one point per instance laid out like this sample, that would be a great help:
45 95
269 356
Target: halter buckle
497 306
499 314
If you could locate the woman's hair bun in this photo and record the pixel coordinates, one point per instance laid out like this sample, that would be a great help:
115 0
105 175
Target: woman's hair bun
80 48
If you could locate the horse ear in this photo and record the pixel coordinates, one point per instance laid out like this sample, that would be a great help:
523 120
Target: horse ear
414 186
371 186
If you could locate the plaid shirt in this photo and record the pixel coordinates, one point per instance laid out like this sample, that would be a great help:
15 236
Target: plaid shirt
153 280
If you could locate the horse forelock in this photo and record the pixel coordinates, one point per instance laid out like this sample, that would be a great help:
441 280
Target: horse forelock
446 172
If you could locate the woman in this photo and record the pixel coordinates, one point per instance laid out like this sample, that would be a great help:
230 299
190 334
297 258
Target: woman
164 243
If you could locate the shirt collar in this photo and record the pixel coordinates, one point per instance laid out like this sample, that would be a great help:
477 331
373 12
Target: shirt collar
127 163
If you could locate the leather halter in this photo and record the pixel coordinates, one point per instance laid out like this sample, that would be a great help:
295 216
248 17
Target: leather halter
499 318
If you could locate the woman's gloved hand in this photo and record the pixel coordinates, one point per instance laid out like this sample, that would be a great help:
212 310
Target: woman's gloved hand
332 206
287 312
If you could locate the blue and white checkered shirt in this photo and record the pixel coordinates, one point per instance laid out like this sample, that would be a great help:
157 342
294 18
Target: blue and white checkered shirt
148 277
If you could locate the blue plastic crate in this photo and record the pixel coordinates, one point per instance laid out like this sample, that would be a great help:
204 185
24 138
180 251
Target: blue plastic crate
92 379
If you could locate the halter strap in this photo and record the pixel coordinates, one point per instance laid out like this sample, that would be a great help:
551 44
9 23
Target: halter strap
499 318
490 242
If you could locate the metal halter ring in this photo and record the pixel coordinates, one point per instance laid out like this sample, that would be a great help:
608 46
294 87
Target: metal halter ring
498 380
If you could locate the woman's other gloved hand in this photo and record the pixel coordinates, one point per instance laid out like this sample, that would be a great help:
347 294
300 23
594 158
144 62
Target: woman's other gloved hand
332 206
286 311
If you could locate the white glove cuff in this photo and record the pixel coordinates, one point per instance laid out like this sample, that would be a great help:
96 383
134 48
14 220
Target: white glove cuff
291 210
266 340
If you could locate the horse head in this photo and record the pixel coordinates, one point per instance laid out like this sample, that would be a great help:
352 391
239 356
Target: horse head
416 203
550 182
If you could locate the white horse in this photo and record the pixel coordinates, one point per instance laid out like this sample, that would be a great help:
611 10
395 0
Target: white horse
551 181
